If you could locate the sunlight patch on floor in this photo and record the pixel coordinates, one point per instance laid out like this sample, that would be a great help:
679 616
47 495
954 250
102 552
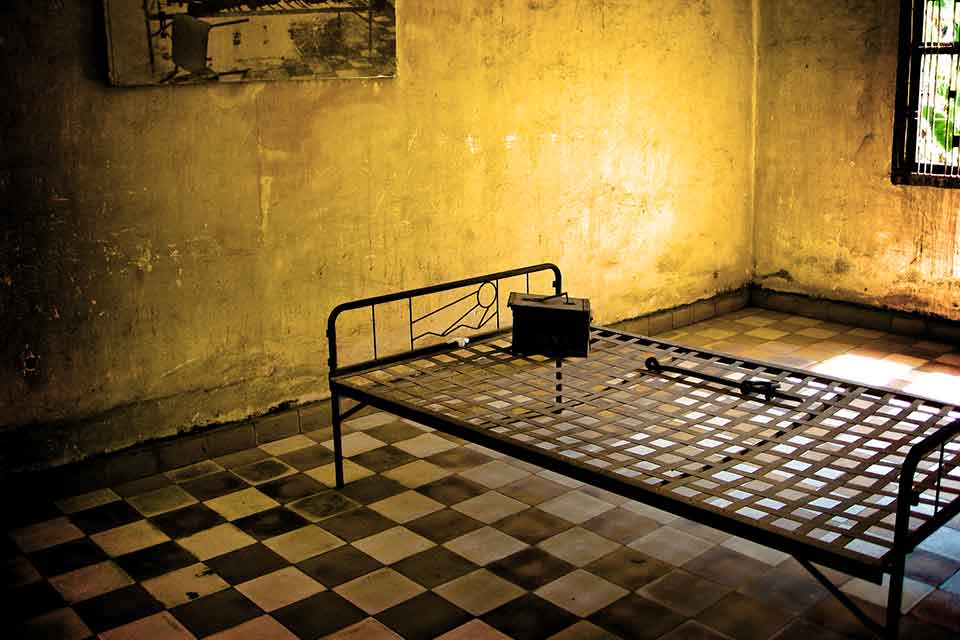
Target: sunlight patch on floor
884 373
872 371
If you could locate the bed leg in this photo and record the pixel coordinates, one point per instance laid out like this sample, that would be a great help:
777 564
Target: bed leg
559 385
895 597
337 439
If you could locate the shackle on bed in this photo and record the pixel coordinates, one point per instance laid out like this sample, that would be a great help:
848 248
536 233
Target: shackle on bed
746 387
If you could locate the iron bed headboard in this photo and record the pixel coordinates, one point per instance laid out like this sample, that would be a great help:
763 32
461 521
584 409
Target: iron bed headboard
490 313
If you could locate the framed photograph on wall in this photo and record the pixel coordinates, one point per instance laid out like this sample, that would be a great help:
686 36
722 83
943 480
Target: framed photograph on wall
155 42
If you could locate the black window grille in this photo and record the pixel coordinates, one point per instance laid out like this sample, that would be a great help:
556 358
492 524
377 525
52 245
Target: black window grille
926 144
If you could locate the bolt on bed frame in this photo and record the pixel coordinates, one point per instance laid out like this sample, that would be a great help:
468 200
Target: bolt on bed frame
908 493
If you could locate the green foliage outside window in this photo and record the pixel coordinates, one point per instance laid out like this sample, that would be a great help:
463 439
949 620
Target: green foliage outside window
938 85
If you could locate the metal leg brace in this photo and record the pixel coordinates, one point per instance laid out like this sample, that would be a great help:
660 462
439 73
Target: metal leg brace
894 598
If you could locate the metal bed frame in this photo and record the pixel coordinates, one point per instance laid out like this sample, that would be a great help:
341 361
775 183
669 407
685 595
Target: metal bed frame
830 471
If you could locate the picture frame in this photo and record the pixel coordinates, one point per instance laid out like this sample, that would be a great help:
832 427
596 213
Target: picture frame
157 42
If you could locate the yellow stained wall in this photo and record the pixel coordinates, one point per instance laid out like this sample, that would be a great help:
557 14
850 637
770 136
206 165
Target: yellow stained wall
171 254
829 221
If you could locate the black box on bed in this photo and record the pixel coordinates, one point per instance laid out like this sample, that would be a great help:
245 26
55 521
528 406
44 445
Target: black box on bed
556 326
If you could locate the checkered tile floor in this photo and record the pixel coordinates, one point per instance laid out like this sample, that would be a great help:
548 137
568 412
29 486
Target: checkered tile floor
433 537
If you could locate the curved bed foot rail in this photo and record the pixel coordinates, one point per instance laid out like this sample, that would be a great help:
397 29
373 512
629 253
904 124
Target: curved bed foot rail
909 496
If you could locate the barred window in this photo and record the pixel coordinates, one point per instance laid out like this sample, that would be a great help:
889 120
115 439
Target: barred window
926 145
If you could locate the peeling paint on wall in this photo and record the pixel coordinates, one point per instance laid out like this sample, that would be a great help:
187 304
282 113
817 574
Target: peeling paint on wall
144 258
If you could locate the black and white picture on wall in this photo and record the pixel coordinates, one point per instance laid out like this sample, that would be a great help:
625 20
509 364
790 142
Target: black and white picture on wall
192 41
